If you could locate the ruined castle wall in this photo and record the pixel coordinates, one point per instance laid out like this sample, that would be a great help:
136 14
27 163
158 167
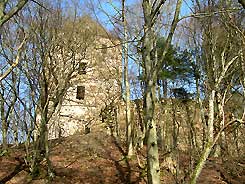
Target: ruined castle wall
102 83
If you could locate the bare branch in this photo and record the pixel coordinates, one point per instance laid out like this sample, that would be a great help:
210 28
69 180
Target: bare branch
156 11
40 4
209 14
171 32
16 62
225 70
5 17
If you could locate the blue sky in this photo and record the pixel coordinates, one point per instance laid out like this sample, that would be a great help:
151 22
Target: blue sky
110 10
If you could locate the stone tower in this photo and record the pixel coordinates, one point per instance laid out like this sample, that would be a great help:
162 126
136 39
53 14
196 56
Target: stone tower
97 83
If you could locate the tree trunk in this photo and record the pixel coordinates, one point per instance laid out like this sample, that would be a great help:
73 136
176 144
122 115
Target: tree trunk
210 140
126 84
165 88
222 145
153 170
15 128
4 124
202 113
5 133
148 56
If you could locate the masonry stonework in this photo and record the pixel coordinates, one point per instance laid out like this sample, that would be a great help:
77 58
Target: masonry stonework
97 83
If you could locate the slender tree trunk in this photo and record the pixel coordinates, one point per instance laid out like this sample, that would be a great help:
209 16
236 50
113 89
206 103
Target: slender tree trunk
41 143
15 129
117 116
210 140
222 140
4 124
151 10
201 163
5 134
165 88
202 113
211 116
174 127
49 164
192 141
126 84
153 169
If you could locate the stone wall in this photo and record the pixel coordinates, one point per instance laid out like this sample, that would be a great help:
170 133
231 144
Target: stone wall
101 78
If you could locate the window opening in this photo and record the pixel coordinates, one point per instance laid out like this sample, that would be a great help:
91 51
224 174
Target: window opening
80 92
82 68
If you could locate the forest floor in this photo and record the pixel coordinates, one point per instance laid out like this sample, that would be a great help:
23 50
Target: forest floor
97 158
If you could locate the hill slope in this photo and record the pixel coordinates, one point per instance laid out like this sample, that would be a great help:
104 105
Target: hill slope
98 158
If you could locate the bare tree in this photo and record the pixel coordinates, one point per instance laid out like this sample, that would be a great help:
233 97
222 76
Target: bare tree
9 87
126 83
220 59
58 44
151 11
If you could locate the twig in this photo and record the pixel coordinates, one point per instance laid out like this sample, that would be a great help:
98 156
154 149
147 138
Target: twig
41 5
16 62
203 15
